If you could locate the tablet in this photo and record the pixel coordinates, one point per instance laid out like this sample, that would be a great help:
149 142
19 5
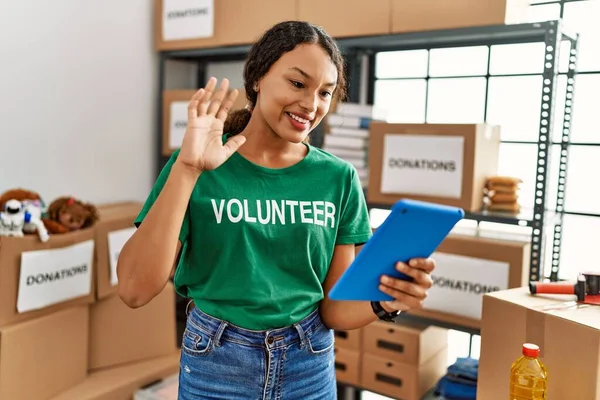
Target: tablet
413 229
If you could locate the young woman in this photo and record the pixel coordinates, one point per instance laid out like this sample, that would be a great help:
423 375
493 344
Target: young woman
260 225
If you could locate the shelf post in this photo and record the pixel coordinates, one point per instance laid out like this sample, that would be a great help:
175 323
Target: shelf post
564 157
544 147
354 67
159 114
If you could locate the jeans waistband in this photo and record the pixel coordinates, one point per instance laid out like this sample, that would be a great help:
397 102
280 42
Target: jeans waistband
220 330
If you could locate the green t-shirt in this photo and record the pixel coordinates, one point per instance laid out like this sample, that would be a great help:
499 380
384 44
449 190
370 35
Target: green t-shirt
257 242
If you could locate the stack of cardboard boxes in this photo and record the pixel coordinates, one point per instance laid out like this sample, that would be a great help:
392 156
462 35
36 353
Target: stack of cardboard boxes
64 332
348 356
449 164
400 361
200 23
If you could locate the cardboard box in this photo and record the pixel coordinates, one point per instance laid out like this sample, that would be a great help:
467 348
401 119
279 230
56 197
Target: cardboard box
114 228
244 22
111 205
175 115
174 119
438 163
347 366
186 24
407 343
351 340
211 23
38 278
426 15
120 335
44 356
345 18
467 267
568 335
121 383
402 381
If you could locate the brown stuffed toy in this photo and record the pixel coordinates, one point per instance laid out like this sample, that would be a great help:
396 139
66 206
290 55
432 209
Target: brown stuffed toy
19 194
67 214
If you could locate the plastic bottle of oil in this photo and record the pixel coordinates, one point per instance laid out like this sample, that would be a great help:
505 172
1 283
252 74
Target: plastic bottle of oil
528 375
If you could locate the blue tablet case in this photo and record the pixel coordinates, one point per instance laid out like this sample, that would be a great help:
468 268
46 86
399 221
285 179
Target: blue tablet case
413 229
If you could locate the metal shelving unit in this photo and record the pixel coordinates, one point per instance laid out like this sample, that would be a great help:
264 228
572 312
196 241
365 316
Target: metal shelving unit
538 217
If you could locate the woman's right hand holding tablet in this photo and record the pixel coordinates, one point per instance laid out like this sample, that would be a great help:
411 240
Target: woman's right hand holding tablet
203 148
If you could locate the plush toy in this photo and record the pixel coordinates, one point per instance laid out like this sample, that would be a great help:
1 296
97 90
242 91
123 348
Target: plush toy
14 217
67 214
31 208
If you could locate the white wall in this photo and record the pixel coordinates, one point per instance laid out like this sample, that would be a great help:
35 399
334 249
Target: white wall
78 95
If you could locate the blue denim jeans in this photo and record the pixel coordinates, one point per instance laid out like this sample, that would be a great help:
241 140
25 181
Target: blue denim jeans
225 362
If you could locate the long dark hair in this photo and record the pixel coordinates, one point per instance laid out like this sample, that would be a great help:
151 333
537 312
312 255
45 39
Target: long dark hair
280 39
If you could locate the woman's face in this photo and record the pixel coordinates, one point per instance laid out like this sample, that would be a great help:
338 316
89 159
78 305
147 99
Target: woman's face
295 95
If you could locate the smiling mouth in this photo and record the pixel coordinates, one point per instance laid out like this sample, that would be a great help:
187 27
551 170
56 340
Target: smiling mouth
297 118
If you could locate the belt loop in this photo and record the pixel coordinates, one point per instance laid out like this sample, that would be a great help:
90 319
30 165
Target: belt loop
219 333
187 307
301 334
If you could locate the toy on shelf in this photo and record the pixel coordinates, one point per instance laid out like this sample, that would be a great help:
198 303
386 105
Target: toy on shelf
32 204
67 214
501 193
14 217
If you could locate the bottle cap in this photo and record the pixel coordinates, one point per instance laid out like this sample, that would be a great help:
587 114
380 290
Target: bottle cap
531 350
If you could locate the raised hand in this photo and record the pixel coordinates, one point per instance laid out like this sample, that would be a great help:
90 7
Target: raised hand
203 148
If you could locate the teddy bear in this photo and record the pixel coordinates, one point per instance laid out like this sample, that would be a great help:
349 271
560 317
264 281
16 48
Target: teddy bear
67 214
